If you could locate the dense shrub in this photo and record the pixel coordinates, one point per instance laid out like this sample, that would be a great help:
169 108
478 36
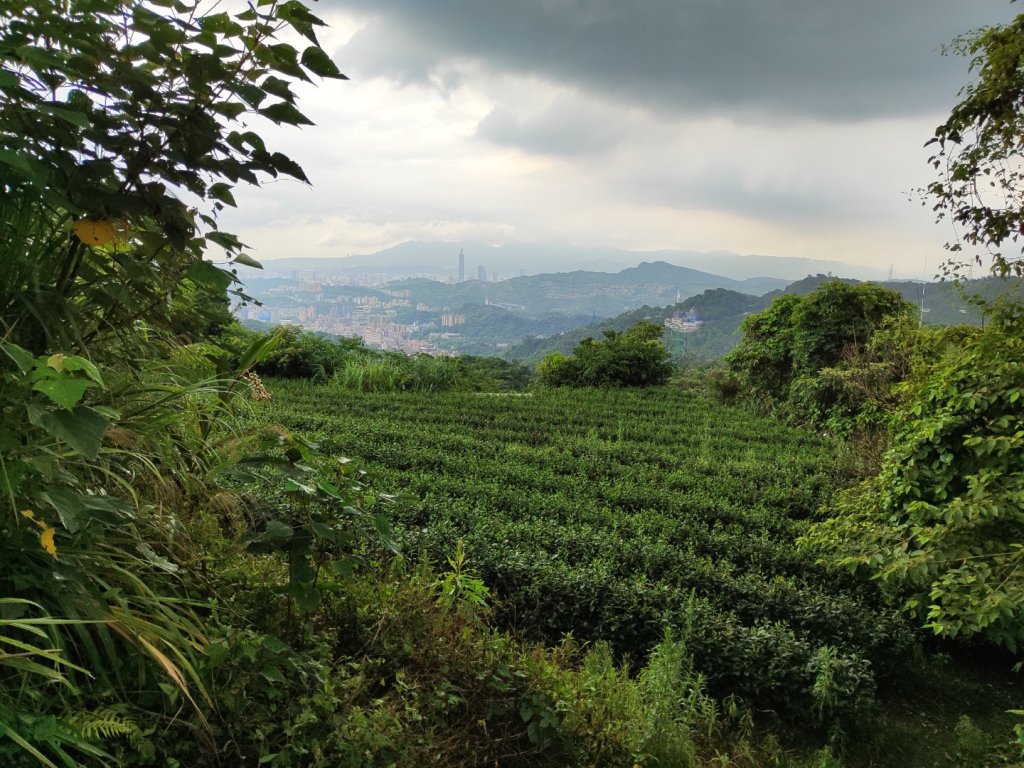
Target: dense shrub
635 358
797 352
303 355
943 518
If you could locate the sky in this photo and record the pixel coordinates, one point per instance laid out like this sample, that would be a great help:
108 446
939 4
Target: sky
776 127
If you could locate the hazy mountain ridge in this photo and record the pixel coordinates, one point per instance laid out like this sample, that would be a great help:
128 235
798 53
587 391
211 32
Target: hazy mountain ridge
600 294
442 259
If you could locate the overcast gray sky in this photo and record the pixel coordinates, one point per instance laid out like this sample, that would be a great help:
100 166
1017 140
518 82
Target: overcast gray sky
781 127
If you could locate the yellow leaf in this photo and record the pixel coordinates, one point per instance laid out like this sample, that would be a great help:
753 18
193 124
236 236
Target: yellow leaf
46 541
56 362
94 231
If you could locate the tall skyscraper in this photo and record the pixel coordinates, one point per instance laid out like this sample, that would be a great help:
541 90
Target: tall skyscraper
481 273
462 266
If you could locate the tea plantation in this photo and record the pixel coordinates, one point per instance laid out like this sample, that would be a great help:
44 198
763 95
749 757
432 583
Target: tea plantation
615 514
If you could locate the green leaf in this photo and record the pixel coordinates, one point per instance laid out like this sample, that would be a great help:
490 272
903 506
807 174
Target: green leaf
151 556
76 363
300 17
278 87
204 273
319 63
82 428
251 94
249 261
21 357
342 568
302 571
274 644
286 113
230 109
221 191
258 351
67 505
39 57
8 79
64 391
278 532
285 164
383 526
18 162
272 675
67 115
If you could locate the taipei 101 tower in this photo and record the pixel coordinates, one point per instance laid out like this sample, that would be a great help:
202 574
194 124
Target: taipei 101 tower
462 266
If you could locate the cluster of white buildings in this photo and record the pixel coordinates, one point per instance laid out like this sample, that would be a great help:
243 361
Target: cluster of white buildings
684 322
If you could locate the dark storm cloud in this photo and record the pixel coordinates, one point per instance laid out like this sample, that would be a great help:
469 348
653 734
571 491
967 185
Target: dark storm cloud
832 60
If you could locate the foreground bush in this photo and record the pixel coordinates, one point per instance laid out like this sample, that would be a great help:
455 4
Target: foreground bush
942 521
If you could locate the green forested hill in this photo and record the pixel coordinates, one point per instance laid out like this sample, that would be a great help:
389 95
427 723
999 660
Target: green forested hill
723 311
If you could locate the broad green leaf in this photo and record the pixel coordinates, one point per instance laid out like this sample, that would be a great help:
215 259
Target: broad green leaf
247 260
22 358
64 391
76 363
82 428
342 568
258 351
278 532
68 506
39 57
301 570
230 109
272 674
319 63
286 113
205 273
222 192
225 240
275 86
293 486
150 555
17 161
274 644
286 165
71 116
325 532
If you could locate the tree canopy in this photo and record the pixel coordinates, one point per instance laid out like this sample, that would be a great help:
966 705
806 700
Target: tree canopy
635 358
979 151
797 336
125 125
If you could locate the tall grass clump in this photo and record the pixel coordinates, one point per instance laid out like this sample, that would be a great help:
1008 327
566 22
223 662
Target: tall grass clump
372 375
398 373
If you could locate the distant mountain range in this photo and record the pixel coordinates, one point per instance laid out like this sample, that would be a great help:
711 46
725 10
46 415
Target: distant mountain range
601 294
441 259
